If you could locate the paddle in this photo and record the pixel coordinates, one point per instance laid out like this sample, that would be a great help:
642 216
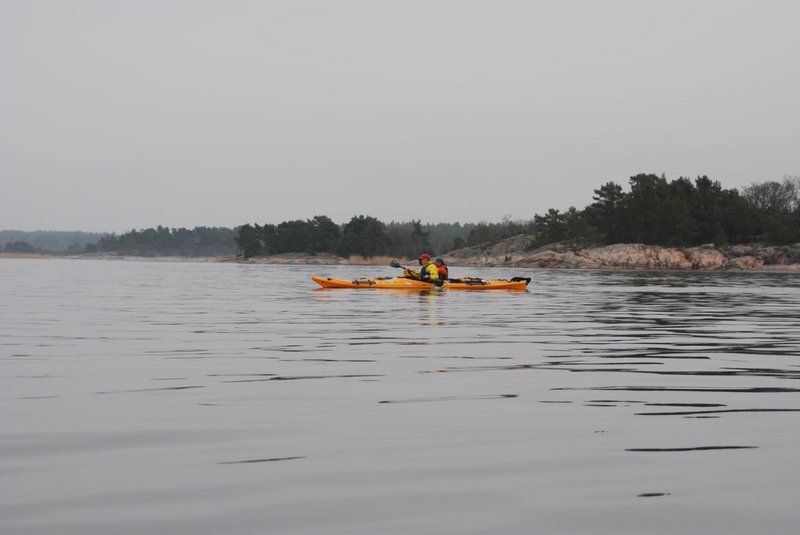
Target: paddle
406 271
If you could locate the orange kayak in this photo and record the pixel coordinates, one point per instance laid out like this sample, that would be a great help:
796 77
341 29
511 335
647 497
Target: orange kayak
404 283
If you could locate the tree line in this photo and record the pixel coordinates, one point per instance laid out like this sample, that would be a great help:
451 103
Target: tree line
658 211
653 210
46 241
363 235
164 241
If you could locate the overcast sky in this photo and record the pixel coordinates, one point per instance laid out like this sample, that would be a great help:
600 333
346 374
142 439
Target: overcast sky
117 115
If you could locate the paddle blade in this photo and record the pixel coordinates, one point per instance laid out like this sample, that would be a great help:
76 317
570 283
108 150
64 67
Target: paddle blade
395 264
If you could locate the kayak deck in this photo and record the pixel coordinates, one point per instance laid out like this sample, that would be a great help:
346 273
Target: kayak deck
404 283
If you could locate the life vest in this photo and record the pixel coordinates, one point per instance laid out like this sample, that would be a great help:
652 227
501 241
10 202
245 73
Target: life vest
428 271
443 273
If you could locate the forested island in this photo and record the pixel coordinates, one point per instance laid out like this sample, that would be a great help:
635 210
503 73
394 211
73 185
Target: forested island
655 213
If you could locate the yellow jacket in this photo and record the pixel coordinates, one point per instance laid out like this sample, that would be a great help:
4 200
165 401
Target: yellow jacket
429 269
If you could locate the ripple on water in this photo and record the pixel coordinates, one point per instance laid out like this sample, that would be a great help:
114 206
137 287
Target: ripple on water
242 392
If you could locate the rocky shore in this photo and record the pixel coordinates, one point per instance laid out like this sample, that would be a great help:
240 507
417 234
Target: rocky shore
518 252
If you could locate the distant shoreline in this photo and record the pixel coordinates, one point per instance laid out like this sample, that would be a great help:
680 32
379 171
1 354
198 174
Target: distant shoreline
27 255
620 257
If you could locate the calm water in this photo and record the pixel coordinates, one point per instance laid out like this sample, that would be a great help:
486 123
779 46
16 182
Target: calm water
189 398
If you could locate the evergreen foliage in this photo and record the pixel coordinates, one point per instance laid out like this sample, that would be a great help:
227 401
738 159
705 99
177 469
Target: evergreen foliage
200 241
317 235
407 239
365 236
50 241
681 212
493 232
655 211
19 247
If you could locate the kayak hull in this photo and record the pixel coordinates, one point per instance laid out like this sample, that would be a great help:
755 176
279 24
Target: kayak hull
403 283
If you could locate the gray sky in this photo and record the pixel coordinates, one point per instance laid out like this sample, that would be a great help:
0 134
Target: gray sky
127 114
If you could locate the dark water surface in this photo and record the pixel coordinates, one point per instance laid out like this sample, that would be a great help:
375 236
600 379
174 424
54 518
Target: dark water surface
191 398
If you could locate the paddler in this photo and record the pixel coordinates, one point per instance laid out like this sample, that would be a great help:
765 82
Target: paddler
427 270
442 268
